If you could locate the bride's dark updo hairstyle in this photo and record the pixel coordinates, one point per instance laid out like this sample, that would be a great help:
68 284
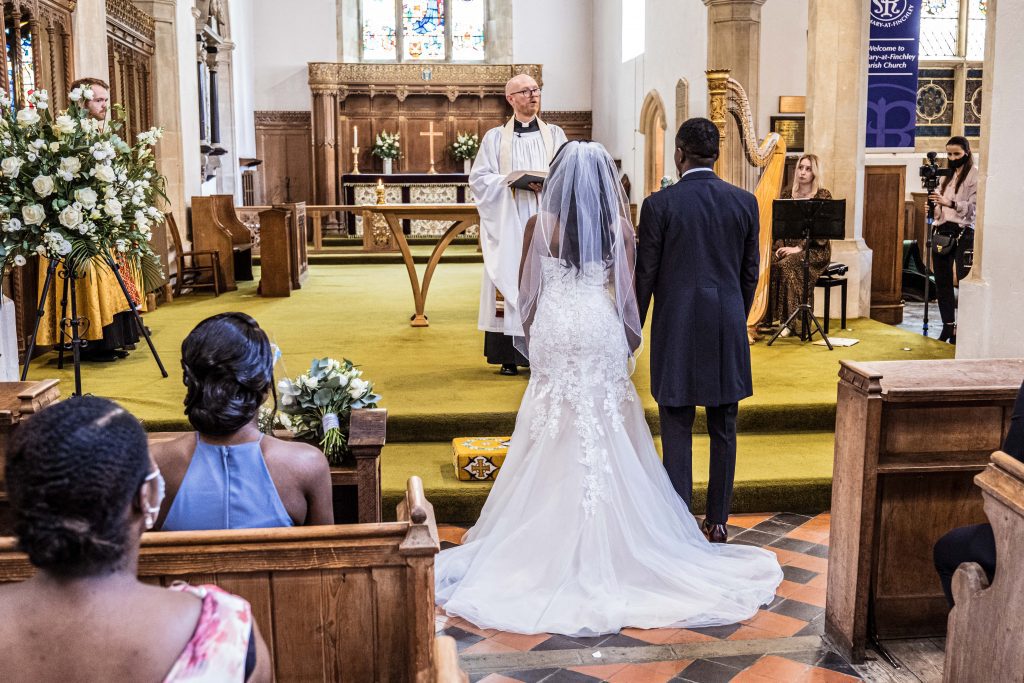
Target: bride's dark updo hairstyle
72 472
608 217
228 369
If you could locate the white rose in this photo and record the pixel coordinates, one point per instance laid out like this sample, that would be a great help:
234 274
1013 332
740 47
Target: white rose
11 166
28 117
75 95
105 174
70 165
70 217
54 146
357 387
87 197
38 143
87 93
112 207
41 250
34 214
65 124
43 185
19 260
13 225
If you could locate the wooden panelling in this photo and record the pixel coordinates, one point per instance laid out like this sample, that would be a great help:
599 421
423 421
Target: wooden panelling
578 125
284 143
883 233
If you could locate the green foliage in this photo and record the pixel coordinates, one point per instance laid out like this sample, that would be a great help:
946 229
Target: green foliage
466 146
387 145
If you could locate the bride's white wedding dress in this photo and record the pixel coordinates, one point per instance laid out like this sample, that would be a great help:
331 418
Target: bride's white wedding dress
582 533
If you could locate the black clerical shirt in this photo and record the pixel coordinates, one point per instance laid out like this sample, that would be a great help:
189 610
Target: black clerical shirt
531 127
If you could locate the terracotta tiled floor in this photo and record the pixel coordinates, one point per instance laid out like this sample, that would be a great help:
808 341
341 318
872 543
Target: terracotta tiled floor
782 640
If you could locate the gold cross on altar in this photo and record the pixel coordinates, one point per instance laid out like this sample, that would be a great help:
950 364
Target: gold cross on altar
430 138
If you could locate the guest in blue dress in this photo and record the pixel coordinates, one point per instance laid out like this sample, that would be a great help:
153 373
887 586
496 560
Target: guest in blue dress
227 474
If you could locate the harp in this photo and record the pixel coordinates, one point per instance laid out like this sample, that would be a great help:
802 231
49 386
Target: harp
728 97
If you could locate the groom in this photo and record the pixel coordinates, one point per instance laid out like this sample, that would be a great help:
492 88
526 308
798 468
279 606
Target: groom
698 257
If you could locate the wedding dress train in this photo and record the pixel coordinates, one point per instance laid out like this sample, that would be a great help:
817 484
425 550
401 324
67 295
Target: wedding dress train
582 533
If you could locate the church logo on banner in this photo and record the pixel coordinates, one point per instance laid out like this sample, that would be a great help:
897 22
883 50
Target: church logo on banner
892 73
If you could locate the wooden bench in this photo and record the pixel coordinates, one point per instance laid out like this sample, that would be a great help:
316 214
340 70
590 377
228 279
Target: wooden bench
334 603
284 262
215 227
367 434
983 640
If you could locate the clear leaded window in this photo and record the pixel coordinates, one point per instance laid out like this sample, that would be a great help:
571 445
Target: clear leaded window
952 29
423 30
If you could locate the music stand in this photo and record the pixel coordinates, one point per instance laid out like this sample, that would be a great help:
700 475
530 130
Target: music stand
807 219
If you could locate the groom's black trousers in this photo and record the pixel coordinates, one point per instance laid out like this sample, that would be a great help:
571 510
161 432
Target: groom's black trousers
677 454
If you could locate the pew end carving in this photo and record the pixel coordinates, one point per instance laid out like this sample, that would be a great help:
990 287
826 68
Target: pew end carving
215 227
983 635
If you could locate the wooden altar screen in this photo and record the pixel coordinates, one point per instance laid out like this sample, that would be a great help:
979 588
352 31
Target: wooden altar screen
910 437
402 98
131 45
38 54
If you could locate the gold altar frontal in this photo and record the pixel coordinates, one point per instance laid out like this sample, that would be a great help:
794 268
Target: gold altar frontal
479 458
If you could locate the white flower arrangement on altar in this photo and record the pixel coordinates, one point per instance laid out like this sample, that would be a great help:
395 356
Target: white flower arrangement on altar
71 189
466 146
387 145
318 403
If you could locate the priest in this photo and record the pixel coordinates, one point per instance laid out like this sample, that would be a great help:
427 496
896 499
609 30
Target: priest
525 143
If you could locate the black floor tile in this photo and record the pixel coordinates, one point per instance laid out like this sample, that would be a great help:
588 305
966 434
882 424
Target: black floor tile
447 544
815 628
567 676
811 657
590 641
558 643
793 545
753 537
818 550
739 662
619 640
531 675
719 632
706 671
792 518
774 527
797 575
797 610
463 639
835 662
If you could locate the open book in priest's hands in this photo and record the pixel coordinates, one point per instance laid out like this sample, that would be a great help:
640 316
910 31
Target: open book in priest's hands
520 180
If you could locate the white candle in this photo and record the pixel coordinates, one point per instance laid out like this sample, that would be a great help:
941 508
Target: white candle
355 136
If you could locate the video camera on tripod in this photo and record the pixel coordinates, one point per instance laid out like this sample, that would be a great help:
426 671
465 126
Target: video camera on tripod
930 173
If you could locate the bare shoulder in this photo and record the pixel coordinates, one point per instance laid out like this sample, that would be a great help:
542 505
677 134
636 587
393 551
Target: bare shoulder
302 457
173 453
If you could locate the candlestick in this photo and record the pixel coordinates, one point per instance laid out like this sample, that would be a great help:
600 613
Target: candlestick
355 160
380 192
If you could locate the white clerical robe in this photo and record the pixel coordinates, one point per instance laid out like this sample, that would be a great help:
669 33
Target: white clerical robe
504 213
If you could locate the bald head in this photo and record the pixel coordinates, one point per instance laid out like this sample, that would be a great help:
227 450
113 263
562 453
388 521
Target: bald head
523 94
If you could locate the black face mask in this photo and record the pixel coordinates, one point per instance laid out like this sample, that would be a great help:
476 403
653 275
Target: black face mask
957 163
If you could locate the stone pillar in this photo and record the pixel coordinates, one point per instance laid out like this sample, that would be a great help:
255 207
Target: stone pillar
89 27
734 43
990 322
837 82
325 156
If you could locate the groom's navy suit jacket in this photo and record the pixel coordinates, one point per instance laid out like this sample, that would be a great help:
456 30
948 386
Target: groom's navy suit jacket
698 256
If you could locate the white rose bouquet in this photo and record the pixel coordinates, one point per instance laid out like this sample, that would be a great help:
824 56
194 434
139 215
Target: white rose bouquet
466 146
387 145
318 404
72 189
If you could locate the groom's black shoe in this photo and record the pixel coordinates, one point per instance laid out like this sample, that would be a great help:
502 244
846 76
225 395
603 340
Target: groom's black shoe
509 369
716 533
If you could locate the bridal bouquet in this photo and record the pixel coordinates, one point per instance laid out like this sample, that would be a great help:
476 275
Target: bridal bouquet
466 146
318 403
72 189
387 145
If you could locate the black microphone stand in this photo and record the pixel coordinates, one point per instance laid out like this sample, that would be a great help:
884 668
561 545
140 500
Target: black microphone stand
927 256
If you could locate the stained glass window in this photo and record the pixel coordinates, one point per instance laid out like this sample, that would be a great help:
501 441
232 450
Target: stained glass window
467 30
379 41
940 27
976 30
25 61
423 29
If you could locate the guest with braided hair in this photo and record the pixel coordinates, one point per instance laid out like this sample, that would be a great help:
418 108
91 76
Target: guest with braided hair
83 489
228 475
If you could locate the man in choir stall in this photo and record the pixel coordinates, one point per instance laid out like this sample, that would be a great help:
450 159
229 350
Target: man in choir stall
525 143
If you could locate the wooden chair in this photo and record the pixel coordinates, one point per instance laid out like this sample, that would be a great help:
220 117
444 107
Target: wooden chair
191 271
983 633
334 603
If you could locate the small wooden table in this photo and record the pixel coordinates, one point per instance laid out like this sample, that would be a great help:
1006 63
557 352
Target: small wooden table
462 216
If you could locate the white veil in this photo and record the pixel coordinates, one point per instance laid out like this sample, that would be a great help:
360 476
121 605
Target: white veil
584 222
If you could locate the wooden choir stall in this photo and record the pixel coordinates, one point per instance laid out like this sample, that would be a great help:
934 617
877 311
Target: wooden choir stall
910 438
284 260
215 227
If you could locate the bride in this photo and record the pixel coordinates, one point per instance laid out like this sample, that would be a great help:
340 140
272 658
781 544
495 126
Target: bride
582 533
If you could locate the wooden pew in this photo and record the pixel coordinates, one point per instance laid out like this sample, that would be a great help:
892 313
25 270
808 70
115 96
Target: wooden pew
910 437
215 227
334 603
983 641
284 263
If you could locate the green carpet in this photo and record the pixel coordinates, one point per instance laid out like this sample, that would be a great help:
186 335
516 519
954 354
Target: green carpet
434 380
793 473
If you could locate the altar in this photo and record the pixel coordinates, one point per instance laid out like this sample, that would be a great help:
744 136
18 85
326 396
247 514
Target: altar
406 188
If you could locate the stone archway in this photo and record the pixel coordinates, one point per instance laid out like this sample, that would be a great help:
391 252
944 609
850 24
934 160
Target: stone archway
652 127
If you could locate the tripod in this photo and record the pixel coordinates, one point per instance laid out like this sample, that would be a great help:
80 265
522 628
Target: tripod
804 310
927 259
74 322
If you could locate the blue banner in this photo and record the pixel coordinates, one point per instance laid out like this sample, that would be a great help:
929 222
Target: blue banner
892 73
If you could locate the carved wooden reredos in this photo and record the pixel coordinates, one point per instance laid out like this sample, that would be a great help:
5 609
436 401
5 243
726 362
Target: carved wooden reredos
403 98
131 46
48 22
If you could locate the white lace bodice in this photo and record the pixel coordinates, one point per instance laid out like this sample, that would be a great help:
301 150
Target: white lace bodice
579 360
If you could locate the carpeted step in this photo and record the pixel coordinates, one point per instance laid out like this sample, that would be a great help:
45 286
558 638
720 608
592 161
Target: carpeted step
357 242
341 256
790 472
